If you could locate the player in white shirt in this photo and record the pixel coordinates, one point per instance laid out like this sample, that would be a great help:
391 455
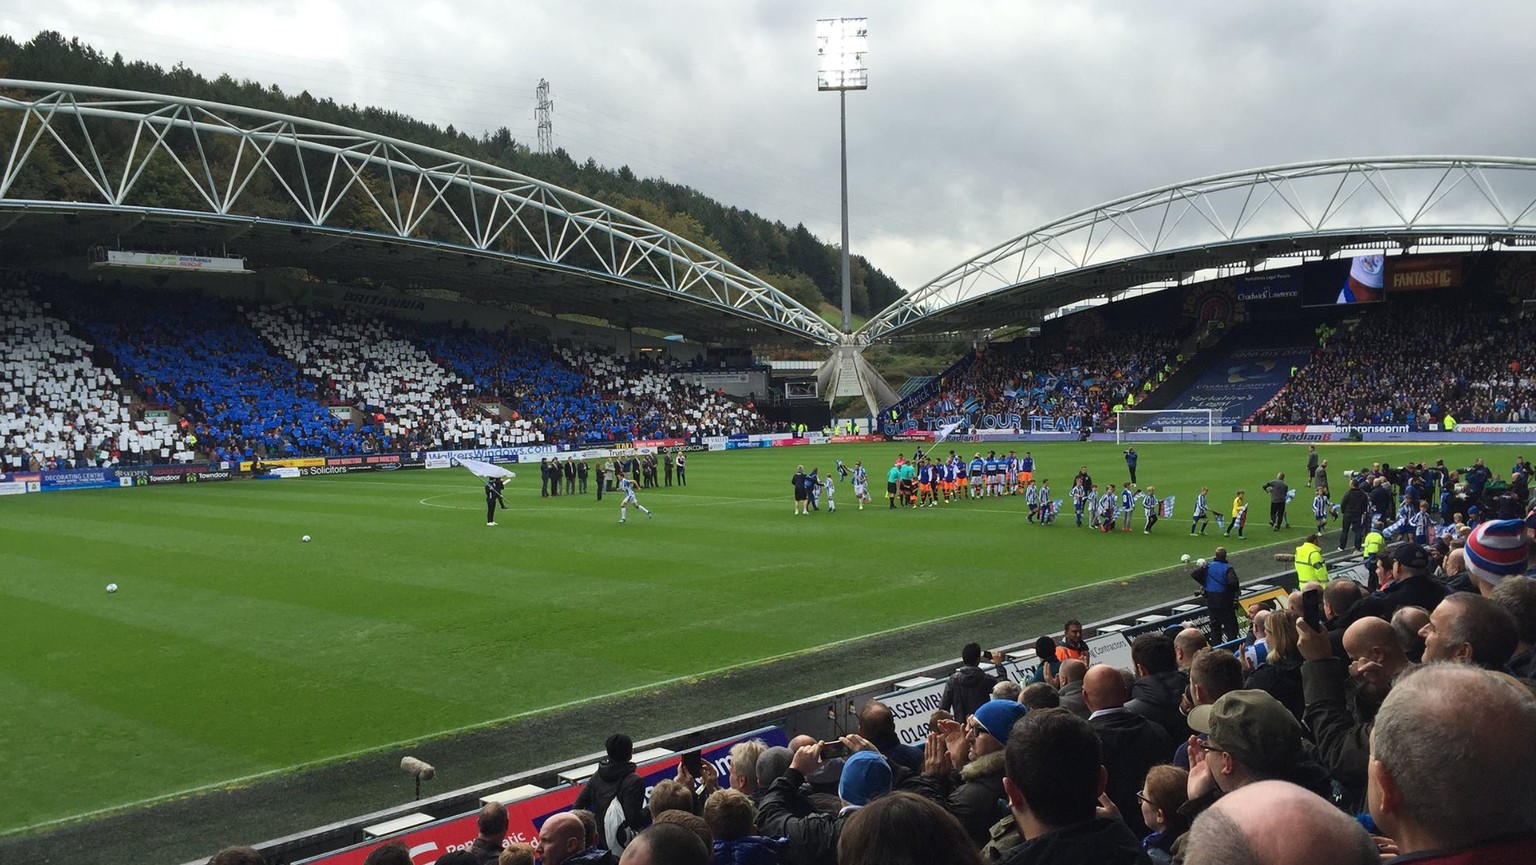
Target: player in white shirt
627 487
860 485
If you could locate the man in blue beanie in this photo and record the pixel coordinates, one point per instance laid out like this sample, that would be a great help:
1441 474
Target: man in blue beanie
963 767
785 811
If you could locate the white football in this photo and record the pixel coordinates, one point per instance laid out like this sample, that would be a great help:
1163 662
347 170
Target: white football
1201 562
111 587
306 539
1184 558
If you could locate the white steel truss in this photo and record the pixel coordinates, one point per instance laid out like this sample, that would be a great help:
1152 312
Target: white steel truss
1394 198
328 176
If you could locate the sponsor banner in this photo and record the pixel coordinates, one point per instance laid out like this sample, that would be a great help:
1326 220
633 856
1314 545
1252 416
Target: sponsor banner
1272 285
525 816
13 488
911 708
1482 428
658 444
157 261
286 462
1423 272
1295 428
78 479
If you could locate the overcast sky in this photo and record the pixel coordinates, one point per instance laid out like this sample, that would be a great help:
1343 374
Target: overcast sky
982 119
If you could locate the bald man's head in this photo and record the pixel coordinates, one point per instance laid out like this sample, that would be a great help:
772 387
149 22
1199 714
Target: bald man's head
1257 825
1104 688
1073 671
561 837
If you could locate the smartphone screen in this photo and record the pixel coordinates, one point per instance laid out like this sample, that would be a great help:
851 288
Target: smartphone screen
832 750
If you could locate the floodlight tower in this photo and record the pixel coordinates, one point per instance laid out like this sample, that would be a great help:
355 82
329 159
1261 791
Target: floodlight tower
841 44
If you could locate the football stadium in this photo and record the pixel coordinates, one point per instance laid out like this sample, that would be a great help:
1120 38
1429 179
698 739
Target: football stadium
366 501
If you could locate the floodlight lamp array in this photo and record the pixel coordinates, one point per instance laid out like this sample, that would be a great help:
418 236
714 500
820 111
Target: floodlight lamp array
841 44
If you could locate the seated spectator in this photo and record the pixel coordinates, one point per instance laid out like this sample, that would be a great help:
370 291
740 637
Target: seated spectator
904 829
1474 803
1055 778
669 795
1280 674
1006 690
1275 823
1340 713
1518 597
1186 644
1131 744
666 844
1251 737
963 767
1496 550
1162 794
492 822
1214 674
1071 693
732 820
878 726
692 822
1039 696
1409 622
563 839
1159 683
785 809
1470 629
1049 666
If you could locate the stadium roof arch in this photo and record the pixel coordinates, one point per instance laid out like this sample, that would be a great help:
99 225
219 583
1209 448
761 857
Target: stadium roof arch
345 205
1223 225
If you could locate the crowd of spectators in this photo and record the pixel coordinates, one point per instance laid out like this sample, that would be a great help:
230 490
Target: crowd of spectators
1414 365
58 407
1081 381
178 376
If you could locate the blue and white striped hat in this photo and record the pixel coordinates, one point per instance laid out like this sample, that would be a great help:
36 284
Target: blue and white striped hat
1496 550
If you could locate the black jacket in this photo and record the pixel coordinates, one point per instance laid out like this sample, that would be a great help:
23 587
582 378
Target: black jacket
1341 727
616 782
1156 698
1099 841
975 797
784 812
1132 745
1282 680
968 687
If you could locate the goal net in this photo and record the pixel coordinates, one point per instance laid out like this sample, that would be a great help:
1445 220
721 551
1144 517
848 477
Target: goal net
1169 425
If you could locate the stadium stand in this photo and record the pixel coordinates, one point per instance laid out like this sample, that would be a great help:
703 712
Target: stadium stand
58 407
1413 365
1073 381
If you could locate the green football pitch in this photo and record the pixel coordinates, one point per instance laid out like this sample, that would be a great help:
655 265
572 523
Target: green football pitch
234 650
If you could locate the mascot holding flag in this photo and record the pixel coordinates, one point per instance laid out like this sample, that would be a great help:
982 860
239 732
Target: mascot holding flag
495 478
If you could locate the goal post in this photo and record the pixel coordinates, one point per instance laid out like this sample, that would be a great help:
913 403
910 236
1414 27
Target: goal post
1167 425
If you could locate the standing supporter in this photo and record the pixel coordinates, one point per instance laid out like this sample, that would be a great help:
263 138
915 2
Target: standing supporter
969 686
1474 804
1054 782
